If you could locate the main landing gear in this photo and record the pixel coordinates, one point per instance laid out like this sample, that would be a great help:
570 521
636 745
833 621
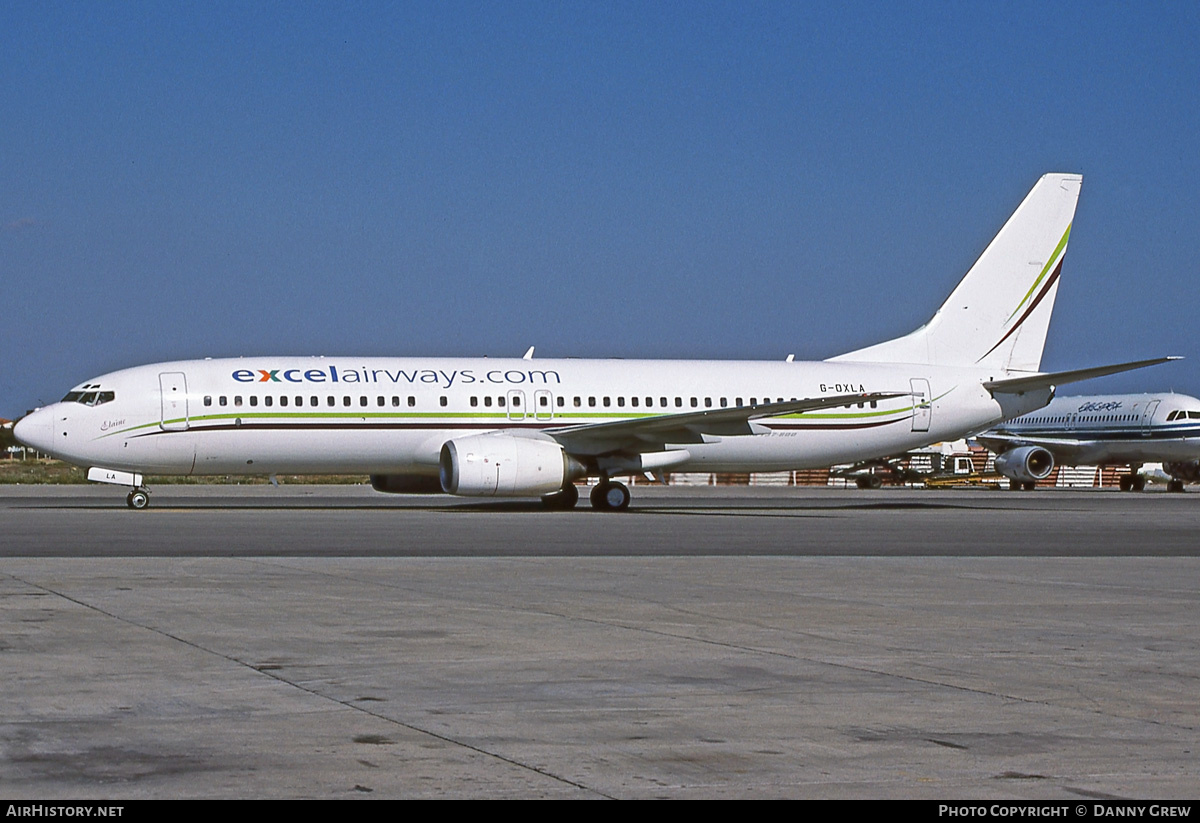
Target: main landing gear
139 498
1022 485
606 496
564 498
1131 482
609 495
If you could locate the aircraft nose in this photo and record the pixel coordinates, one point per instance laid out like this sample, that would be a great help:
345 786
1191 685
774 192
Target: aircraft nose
35 430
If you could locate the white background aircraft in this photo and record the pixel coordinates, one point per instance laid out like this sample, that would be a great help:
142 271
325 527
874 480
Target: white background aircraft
483 427
1102 430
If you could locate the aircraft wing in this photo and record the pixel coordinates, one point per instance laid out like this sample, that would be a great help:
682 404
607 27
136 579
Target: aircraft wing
647 434
1063 449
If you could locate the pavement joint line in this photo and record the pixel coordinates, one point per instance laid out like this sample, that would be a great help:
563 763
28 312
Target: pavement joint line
311 691
788 656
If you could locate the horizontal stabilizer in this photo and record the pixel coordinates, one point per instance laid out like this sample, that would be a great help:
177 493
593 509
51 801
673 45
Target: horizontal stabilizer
1020 385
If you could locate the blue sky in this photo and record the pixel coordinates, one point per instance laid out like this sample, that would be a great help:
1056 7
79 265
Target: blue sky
699 180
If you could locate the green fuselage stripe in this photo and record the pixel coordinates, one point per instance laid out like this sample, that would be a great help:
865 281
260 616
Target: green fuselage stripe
497 419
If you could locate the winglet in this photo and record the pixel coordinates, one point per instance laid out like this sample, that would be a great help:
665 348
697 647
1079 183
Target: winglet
528 355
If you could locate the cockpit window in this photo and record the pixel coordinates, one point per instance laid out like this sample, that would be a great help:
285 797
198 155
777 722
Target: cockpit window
1194 415
90 398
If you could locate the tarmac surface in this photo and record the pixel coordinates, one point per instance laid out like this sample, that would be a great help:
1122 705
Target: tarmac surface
331 642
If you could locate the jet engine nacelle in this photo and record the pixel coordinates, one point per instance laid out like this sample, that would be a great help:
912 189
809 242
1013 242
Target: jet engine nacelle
1026 463
1188 471
500 465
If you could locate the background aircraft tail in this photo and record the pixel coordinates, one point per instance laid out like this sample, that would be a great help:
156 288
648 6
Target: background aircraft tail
999 313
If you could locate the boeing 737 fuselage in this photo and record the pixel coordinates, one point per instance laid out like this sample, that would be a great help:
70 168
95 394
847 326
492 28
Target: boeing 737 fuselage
526 427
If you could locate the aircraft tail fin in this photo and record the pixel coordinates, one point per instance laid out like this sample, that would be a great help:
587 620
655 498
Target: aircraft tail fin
999 314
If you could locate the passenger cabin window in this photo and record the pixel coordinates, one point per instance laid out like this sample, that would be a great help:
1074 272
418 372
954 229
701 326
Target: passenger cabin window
412 401
268 400
208 399
442 400
223 400
254 400
282 401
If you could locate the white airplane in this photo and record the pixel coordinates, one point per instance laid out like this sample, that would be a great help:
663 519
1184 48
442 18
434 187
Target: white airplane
1102 430
526 428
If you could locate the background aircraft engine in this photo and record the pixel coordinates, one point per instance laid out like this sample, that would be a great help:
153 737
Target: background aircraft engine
500 465
1027 464
1188 471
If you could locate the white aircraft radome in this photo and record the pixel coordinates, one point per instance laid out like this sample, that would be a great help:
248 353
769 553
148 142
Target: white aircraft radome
1102 430
530 428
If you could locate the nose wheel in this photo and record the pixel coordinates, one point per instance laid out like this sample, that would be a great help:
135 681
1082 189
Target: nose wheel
137 499
611 496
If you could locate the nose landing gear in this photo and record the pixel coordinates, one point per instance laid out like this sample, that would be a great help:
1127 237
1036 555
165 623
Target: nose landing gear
139 498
